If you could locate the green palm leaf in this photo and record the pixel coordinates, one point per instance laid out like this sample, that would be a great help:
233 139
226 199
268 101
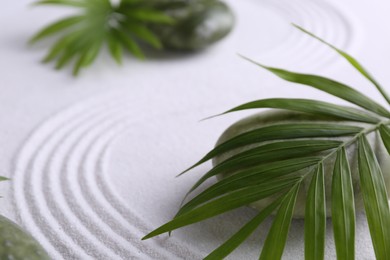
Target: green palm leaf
315 217
226 203
270 162
375 199
129 43
385 134
329 86
116 49
237 239
343 208
87 57
146 15
279 132
248 177
312 107
73 3
277 236
61 45
143 33
270 152
56 27
81 37
353 62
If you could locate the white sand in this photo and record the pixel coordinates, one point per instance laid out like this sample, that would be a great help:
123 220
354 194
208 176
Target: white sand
93 159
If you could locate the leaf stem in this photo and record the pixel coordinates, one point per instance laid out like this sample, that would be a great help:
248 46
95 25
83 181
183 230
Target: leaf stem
354 139
345 144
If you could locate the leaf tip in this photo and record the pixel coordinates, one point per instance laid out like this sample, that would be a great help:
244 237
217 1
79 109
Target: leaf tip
252 61
145 238
211 117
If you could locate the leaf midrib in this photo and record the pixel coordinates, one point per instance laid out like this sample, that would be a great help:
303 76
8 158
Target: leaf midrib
343 206
365 131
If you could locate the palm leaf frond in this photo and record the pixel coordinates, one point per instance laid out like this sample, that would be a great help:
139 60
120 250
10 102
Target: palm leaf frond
226 203
57 27
351 61
277 159
312 107
72 3
329 86
99 23
279 132
249 177
133 26
272 152
277 236
238 238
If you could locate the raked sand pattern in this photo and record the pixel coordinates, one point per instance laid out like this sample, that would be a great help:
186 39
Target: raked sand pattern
318 16
63 194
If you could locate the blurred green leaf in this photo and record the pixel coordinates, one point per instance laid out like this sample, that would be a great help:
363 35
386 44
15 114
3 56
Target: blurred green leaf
57 27
100 23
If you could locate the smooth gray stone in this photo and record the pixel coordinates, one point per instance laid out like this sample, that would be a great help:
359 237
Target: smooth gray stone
199 23
17 244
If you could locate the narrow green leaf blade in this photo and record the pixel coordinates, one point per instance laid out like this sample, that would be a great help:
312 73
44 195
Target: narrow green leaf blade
115 48
2 178
143 33
351 61
280 132
274 151
343 208
329 86
252 176
129 44
56 27
72 3
238 238
277 236
87 57
269 152
375 199
149 15
385 135
312 107
75 46
315 217
61 45
226 203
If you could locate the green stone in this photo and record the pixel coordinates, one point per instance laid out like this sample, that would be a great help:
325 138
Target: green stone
17 244
199 23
